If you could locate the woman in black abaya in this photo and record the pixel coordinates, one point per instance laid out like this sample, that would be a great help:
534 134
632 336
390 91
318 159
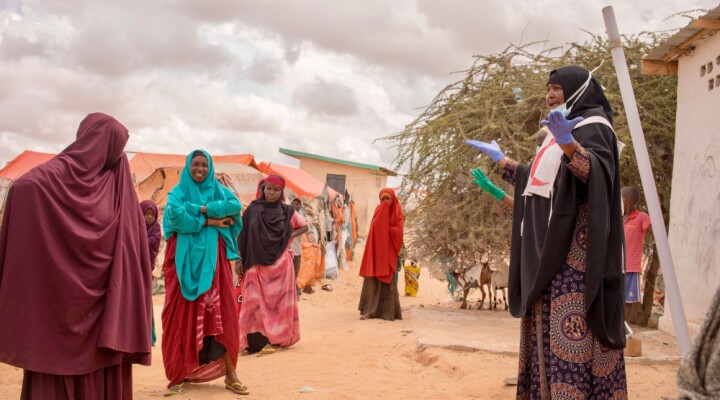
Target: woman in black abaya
566 253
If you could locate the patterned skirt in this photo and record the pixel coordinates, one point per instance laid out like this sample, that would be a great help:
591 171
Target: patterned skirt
269 304
559 357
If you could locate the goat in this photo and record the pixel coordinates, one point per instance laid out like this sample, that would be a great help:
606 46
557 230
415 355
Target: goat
500 272
475 276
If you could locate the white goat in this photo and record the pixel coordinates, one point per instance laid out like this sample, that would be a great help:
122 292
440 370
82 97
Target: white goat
500 271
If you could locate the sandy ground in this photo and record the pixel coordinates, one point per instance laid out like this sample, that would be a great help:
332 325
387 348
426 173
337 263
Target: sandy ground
341 357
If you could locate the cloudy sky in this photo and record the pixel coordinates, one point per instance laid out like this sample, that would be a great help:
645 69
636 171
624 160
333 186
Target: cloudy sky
231 76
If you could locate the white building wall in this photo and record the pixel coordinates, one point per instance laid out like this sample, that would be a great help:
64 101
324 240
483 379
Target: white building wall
694 231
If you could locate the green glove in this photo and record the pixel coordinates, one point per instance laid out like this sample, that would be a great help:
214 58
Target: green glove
485 184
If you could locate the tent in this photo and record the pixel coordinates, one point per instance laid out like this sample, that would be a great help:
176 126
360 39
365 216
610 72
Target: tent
143 165
241 179
301 182
16 167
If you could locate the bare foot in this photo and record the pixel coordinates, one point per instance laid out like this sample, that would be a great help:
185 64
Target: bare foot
365 316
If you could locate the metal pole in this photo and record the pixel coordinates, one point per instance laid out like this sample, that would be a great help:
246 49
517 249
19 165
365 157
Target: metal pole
648 181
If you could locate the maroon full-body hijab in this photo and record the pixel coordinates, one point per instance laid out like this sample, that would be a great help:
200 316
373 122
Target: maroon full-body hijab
75 285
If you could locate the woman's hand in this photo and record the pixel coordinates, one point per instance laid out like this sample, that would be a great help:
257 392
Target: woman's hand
299 231
561 127
239 270
220 222
480 179
491 149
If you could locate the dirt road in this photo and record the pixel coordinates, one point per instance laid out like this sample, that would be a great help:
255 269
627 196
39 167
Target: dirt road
341 357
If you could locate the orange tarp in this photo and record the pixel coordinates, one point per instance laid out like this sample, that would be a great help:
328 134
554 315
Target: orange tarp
240 179
311 266
23 163
302 183
143 165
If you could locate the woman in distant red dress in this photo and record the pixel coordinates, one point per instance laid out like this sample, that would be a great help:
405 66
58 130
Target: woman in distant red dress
379 297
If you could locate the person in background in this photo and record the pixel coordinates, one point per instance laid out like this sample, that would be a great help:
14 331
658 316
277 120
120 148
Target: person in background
565 280
636 225
296 243
75 298
338 213
200 326
379 297
150 213
269 317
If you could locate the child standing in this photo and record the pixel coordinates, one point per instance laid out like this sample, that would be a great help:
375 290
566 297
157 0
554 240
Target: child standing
150 212
636 224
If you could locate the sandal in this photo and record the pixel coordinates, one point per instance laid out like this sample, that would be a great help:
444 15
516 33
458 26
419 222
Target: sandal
175 390
267 350
238 388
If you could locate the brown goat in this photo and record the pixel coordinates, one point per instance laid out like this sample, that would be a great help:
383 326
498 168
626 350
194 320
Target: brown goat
478 277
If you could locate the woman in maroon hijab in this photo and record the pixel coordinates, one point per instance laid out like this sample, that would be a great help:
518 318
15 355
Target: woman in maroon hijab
75 271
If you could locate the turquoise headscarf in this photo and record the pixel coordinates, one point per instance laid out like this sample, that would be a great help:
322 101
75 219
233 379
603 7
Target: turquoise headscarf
197 245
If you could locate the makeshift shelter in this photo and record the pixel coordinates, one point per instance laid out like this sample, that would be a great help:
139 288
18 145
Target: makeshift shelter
143 165
16 167
363 181
242 180
302 183
312 267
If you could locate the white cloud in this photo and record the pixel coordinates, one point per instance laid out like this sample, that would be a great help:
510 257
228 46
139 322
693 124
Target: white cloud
322 76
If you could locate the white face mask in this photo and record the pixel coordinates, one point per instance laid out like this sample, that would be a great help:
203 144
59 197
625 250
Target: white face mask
578 93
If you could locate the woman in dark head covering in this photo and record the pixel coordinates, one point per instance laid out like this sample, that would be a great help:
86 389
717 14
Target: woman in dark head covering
379 297
75 271
200 330
565 278
150 213
269 317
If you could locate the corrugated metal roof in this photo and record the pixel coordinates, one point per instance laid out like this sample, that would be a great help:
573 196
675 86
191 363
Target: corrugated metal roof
679 39
296 154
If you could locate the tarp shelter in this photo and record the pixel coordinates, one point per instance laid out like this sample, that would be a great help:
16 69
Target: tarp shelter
302 183
241 179
19 165
143 165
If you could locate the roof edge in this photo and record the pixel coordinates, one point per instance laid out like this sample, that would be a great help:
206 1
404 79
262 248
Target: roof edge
296 154
663 59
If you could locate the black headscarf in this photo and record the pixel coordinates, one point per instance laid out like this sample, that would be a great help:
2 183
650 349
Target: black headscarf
535 261
571 79
266 229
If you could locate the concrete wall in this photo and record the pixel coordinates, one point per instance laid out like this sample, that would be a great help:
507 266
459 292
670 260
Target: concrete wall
363 184
694 231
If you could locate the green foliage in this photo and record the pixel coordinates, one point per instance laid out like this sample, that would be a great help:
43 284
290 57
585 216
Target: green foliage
454 218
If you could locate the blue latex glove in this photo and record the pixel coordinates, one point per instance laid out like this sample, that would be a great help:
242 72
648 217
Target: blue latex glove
561 127
491 149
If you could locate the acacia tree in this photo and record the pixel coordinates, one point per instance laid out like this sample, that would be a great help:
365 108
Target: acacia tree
501 97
